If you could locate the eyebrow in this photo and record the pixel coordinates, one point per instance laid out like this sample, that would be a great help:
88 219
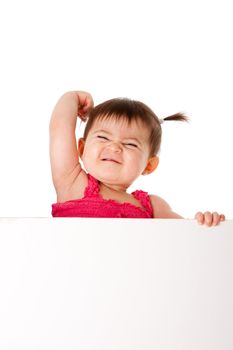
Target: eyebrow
109 133
102 130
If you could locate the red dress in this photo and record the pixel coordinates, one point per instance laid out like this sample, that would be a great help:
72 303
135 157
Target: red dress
95 206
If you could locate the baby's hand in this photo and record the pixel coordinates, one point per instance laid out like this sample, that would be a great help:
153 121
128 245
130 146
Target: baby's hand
209 219
85 104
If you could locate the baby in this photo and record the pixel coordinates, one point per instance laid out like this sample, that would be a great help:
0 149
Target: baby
121 141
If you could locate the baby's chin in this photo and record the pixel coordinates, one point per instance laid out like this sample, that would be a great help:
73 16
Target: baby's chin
109 177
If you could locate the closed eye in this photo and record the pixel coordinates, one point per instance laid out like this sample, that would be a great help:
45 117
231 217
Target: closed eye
131 145
102 137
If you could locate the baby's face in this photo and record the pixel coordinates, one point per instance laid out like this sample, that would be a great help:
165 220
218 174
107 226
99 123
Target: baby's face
116 152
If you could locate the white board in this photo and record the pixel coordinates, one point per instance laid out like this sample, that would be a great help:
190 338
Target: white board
115 284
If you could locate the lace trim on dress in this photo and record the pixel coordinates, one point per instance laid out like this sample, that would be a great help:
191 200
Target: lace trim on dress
144 198
93 189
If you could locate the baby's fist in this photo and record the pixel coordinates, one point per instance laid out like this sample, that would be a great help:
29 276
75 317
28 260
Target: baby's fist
85 104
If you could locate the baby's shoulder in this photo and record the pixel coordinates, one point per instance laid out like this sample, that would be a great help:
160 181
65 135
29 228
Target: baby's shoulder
161 209
159 203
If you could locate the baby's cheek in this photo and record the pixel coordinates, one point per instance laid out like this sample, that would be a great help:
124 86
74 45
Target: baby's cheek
137 165
86 161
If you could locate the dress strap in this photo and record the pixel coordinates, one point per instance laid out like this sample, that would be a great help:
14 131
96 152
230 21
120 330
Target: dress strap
92 188
144 199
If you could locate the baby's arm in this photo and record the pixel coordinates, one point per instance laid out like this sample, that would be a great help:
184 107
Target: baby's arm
64 157
161 209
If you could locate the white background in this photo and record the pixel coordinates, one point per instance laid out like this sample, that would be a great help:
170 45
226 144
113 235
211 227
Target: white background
172 55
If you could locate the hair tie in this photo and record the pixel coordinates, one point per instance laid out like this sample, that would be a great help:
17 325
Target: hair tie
161 120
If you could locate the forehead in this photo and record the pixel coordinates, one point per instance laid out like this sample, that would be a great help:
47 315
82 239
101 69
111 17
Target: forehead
122 126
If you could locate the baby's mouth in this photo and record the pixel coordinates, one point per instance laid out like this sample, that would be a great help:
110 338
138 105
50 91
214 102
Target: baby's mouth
110 160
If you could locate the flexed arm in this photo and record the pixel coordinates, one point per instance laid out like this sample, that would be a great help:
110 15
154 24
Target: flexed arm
64 158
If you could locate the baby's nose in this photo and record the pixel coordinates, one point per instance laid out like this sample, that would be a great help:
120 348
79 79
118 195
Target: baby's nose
115 147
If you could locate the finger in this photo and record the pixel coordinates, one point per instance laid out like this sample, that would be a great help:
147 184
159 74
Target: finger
82 115
85 109
200 218
222 217
208 218
88 103
216 219
84 105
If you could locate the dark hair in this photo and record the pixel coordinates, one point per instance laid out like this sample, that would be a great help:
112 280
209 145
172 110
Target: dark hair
132 110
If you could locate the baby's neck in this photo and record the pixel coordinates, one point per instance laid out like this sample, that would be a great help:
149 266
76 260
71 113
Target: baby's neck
118 194
109 188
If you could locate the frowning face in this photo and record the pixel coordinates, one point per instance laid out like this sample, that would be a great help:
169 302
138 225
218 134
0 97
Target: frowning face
116 152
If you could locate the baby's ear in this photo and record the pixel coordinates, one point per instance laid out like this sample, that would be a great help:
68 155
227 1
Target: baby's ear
81 143
151 165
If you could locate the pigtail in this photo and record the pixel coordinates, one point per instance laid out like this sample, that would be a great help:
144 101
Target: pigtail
177 117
